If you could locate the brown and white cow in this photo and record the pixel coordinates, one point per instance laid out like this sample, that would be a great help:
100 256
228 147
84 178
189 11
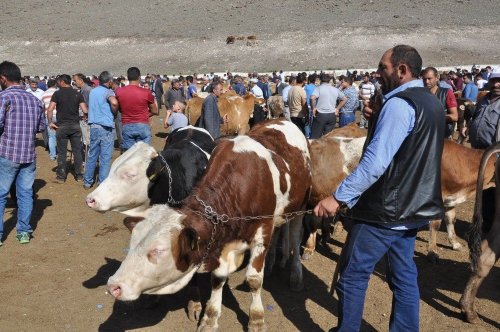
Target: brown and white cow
276 106
484 250
265 175
239 110
333 159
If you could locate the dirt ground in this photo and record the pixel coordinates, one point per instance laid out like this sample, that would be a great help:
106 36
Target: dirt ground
57 282
52 37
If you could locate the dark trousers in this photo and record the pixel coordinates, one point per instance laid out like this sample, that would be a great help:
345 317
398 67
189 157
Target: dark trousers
73 133
323 124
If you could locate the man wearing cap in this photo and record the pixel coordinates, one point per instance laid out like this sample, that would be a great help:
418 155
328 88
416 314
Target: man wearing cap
484 125
175 93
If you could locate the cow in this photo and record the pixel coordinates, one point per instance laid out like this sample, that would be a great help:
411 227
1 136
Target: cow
459 165
483 253
239 110
276 106
141 177
252 184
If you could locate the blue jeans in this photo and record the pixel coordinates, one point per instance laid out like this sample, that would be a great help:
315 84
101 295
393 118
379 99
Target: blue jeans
24 175
366 245
135 132
346 118
51 133
101 147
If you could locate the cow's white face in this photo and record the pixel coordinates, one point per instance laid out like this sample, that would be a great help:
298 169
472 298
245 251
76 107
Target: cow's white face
154 263
126 186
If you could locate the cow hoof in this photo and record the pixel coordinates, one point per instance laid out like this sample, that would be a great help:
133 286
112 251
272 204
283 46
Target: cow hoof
194 310
433 257
257 326
471 316
457 246
306 256
205 328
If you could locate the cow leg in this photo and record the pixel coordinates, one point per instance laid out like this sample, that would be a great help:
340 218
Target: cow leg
487 260
209 322
254 277
450 218
432 254
271 254
296 282
311 225
194 304
285 244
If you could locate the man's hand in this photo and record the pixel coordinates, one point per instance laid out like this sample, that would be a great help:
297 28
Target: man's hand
315 111
53 126
327 207
373 105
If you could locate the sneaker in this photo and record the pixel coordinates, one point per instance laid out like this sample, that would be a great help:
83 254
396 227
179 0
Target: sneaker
59 180
87 187
79 178
23 237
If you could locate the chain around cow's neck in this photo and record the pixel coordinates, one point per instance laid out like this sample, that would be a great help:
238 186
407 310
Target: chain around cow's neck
170 200
210 214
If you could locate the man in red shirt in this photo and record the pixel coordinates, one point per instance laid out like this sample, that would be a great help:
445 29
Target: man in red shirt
446 96
136 106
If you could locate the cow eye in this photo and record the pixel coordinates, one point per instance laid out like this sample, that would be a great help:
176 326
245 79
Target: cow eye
128 175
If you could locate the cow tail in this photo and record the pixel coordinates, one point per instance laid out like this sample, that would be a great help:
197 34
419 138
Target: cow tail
473 235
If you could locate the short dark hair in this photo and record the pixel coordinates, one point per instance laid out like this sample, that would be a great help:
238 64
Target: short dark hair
51 83
64 78
189 79
324 78
468 75
301 78
311 78
81 76
133 74
11 71
348 80
105 77
430 69
405 54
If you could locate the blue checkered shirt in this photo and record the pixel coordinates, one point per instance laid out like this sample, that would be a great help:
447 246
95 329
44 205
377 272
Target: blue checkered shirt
21 117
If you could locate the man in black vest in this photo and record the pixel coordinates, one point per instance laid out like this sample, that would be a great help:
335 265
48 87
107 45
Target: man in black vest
445 95
395 190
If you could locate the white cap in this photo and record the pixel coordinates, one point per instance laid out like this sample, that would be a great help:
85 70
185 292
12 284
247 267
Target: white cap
495 73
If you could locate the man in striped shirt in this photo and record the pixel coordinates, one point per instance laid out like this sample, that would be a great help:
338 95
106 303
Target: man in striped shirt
21 117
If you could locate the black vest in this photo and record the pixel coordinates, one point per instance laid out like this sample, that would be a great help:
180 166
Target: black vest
410 188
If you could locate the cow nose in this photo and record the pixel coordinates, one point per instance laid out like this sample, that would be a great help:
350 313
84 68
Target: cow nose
115 290
90 202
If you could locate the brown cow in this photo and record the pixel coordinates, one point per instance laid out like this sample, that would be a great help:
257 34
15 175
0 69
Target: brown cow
263 175
239 110
459 166
483 253
276 106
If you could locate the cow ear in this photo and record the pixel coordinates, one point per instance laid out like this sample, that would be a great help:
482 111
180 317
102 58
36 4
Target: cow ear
189 239
130 222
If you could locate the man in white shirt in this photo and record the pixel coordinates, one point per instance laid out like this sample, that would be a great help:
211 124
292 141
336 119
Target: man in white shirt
366 91
34 90
49 135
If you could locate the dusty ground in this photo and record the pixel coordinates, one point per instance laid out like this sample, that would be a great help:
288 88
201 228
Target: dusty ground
57 282
51 37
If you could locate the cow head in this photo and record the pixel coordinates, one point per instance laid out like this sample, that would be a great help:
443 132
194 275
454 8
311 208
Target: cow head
126 187
158 261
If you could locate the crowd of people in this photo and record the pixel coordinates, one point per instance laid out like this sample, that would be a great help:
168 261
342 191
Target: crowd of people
418 108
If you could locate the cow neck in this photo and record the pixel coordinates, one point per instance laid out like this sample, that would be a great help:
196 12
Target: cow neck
204 228
210 234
